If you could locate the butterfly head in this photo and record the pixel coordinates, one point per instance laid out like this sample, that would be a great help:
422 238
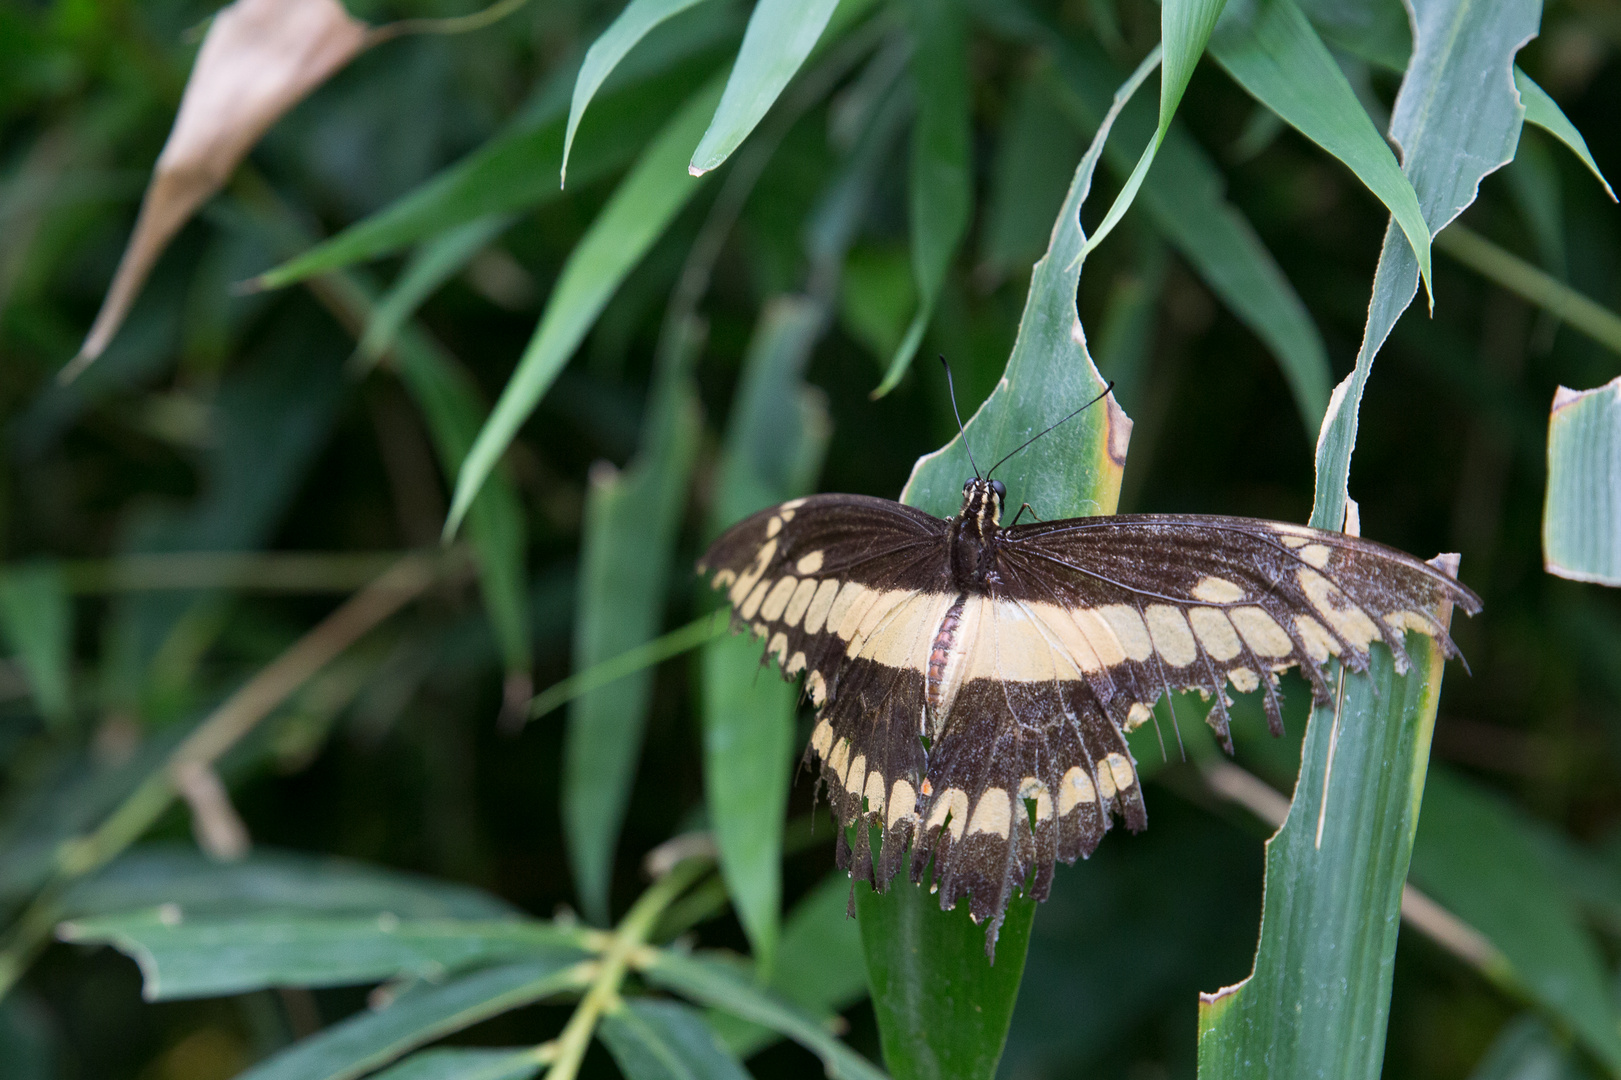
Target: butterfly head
982 503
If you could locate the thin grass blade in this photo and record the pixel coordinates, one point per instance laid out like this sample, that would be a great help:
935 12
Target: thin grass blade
466 1063
435 262
1545 113
36 615
666 1040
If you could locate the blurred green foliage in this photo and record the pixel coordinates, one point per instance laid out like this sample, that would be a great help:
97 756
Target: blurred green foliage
739 335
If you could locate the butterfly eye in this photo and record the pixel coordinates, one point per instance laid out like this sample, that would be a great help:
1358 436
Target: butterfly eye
1000 489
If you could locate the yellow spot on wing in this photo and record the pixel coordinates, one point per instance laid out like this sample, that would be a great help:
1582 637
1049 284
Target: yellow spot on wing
1411 620
1244 680
796 664
1075 788
1128 630
755 599
777 599
849 607
722 579
1172 638
1337 609
874 792
1032 788
994 814
902 801
816 685
822 739
792 505
952 802
1217 590
1316 555
798 602
1120 768
1319 642
809 563
1216 634
1137 716
773 527
821 606
839 760
1261 632
858 773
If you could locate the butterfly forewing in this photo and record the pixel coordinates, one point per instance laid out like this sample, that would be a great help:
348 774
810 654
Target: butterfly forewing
979 716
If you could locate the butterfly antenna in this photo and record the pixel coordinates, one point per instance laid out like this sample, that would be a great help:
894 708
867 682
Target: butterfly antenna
1106 391
952 388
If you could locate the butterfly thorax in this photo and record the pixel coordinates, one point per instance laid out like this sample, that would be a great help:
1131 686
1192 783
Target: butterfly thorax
974 533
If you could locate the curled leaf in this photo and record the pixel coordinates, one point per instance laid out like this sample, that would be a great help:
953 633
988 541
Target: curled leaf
260 58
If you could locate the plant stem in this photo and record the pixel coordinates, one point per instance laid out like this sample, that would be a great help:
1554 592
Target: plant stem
628 939
1543 289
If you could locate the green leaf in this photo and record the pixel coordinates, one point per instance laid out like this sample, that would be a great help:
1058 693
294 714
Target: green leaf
1376 31
184 957
1318 999
641 208
1459 44
1475 857
510 173
1271 50
717 984
266 878
1581 521
941 178
1029 176
462 1063
942 1006
435 262
1528 1049
1183 198
1545 113
425 1012
634 23
666 1040
1185 26
627 545
780 35
37 617
774 446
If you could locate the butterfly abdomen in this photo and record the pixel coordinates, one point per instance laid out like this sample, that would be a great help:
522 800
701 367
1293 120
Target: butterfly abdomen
940 656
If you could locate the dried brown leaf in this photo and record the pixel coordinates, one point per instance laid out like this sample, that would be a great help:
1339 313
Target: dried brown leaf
260 58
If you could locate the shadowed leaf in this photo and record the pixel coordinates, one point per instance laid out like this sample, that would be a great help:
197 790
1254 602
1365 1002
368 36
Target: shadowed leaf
1581 523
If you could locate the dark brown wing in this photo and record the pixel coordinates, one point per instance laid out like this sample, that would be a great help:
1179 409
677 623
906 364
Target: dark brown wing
1184 602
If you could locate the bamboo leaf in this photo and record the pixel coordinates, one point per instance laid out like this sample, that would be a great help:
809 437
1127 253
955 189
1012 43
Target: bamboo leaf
717 984
510 173
36 615
666 1040
1376 31
210 957
435 262
1475 857
464 1063
1184 200
636 21
641 208
942 1006
627 545
1271 50
780 35
1581 521
1318 999
373 1038
1457 41
1545 113
941 179
774 447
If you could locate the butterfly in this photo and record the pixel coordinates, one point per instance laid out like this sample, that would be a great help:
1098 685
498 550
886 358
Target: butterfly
974 682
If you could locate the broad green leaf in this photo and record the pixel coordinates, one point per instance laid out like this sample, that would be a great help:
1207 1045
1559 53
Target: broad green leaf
510 173
1029 177
634 23
435 262
641 208
941 177
1461 66
1271 50
37 617
666 1040
288 881
1545 113
780 35
1477 859
1183 198
1581 521
1129 320
1376 31
1318 999
774 444
183 957
717 984
1185 27
372 1038
942 1006
465 1063
627 545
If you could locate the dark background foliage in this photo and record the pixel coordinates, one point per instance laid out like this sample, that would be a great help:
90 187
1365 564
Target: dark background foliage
231 421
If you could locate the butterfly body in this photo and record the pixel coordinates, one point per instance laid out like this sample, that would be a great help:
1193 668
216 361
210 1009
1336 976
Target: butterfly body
974 682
